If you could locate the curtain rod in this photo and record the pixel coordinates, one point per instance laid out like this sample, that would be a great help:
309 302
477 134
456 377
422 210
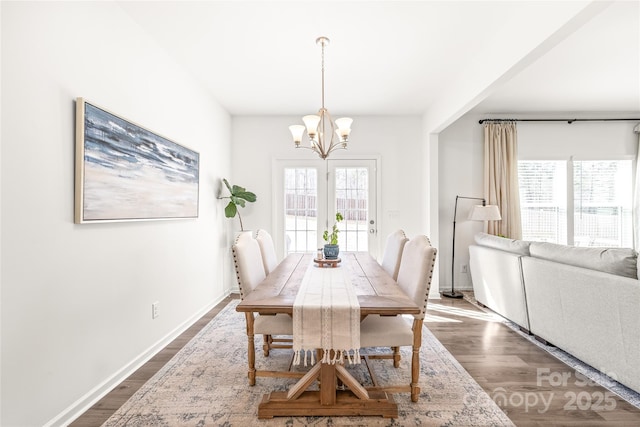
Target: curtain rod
554 120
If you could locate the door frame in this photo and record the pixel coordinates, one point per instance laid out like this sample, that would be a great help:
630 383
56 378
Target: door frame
372 166
277 195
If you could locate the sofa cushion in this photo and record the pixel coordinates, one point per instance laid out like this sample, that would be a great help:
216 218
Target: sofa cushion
520 247
618 261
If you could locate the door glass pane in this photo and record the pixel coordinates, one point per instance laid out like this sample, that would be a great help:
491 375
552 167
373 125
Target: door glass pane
352 201
301 211
602 203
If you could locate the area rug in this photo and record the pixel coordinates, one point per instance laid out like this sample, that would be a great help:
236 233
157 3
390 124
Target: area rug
205 384
631 396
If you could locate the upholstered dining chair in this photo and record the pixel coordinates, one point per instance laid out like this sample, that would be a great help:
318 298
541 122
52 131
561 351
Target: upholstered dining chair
268 250
414 277
247 259
393 252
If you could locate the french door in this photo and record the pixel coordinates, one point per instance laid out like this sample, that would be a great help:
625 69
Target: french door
307 195
352 192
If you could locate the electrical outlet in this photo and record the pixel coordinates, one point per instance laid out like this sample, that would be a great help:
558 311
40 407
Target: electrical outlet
154 310
463 268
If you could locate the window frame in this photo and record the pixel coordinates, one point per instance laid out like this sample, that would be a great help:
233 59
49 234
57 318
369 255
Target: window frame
570 187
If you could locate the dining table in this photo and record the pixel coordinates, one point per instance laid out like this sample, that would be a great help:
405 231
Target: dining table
338 393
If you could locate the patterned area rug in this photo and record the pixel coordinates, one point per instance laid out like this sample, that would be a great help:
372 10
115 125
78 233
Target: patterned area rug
206 384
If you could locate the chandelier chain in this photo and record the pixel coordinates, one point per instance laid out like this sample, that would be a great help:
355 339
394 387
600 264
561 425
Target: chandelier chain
323 43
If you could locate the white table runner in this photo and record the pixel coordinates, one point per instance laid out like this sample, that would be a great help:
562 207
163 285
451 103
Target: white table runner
326 315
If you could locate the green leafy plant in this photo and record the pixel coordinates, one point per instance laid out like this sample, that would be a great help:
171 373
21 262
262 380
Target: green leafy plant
238 196
332 238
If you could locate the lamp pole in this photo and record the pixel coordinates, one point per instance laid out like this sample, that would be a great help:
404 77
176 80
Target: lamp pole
453 293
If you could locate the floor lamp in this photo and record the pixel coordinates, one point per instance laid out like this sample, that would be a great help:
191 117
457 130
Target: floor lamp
477 213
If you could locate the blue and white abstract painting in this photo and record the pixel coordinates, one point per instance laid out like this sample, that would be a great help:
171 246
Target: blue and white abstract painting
130 173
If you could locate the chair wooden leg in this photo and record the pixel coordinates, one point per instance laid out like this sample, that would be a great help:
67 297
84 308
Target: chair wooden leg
266 344
415 359
415 374
251 350
396 356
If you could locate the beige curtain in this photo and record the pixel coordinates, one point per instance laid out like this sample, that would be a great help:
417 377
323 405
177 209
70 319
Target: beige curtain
636 197
501 177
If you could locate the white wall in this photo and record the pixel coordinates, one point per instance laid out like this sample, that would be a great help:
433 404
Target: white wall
583 140
461 169
76 299
397 140
460 174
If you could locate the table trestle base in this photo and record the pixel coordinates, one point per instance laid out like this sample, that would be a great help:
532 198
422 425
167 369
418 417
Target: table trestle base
278 374
277 404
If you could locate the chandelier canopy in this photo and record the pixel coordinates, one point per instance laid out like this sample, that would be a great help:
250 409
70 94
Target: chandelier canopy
321 127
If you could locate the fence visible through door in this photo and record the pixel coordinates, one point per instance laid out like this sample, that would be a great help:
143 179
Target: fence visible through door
352 193
311 192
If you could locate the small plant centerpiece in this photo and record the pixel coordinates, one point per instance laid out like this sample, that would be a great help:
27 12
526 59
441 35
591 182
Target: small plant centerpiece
331 248
238 196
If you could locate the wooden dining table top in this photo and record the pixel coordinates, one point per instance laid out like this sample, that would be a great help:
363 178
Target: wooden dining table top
377 292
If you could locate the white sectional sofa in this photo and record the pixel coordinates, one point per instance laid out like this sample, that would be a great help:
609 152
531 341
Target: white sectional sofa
585 301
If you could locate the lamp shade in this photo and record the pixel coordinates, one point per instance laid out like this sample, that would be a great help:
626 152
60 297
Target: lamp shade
296 132
485 213
311 122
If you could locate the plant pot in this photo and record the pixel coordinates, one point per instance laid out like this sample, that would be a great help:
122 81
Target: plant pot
331 251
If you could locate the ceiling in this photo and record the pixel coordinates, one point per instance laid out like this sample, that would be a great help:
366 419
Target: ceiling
405 57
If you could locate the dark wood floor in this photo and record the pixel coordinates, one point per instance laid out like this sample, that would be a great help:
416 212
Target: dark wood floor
537 388
532 387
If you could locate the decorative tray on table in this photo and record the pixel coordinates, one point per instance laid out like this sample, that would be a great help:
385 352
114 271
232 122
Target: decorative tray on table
327 263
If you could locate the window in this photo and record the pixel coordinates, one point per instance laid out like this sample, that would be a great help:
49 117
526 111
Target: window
600 202
543 200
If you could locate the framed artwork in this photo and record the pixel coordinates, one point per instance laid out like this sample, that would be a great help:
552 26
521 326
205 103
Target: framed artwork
125 172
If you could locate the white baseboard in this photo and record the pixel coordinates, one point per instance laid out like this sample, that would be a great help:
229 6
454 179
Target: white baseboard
81 405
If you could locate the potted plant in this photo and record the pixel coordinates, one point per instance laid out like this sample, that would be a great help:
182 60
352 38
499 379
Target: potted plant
238 196
331 248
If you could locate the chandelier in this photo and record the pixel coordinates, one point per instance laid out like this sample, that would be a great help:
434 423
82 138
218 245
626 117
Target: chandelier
321 127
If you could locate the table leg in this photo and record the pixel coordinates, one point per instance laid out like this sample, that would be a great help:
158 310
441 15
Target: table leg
327 384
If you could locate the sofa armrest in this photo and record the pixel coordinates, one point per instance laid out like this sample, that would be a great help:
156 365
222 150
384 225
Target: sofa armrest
497 282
